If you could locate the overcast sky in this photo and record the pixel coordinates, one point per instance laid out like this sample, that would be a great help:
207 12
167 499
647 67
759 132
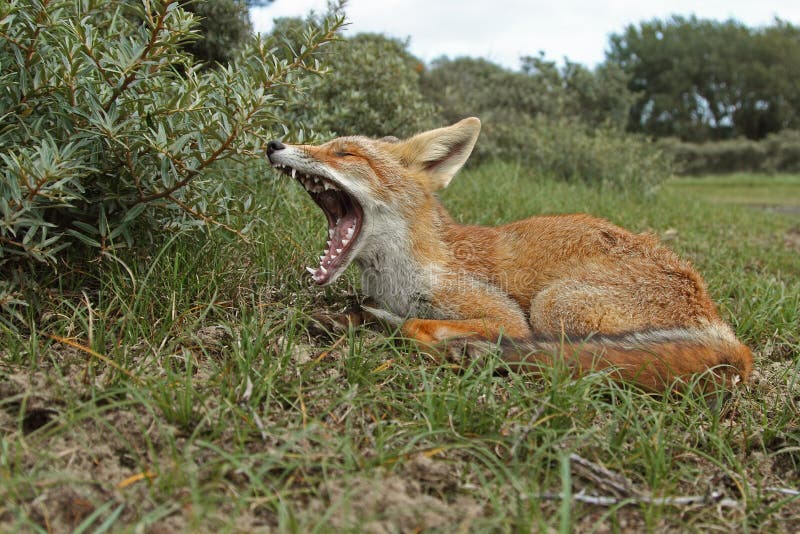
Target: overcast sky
503 30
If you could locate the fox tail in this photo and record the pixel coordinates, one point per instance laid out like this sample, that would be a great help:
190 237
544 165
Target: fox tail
654 359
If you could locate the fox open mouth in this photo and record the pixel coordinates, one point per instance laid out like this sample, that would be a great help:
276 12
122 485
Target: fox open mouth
345 217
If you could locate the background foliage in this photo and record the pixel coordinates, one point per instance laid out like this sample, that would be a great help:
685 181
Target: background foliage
373 89
702 80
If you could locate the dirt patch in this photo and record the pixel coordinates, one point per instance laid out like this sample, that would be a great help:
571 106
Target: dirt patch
792 238
777 208
407 501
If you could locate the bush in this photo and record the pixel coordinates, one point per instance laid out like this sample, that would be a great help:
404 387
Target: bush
505 101
783 151
224 27
373 89
519 110
108 124
779 152
607 157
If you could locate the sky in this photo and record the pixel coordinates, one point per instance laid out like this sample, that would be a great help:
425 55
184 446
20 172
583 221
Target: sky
504 30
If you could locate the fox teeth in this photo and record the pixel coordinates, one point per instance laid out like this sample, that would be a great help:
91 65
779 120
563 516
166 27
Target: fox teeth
293 172
338 251
345 242
312 271
323 269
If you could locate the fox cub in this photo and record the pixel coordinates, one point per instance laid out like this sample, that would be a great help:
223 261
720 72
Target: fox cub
572 287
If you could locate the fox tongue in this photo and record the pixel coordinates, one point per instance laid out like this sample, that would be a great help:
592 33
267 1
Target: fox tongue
330 204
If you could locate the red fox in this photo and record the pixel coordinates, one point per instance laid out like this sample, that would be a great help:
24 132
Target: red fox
558 286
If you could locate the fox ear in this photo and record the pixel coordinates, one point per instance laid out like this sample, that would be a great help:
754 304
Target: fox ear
441 152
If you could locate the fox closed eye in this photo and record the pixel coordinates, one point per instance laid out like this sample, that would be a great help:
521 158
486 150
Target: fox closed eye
343 154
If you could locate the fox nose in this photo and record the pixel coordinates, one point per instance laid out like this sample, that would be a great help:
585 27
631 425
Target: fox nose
274 146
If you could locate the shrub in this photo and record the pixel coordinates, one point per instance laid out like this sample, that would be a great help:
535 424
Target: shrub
519 110
606 157
783 151
107 123
779 152
373 89
505 101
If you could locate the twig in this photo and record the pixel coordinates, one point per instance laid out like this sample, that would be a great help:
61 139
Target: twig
624 492
715 497
785 491
534 420
206 218
614 482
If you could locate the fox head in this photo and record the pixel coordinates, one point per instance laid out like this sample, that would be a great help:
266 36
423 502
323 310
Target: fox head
371 190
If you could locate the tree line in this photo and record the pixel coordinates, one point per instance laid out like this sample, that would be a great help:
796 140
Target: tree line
688 78
701 80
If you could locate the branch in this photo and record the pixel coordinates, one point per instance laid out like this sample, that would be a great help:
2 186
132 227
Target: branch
206 218
131 76
241 125
624 492
603 477
714 497
189 174
39 20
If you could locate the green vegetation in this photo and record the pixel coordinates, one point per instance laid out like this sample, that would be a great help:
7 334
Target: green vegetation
159 364
109 130
702 80
373 89
779 152
192 391
781 191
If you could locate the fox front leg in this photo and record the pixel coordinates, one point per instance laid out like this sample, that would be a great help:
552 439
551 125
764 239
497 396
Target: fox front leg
478 310
483 316
462 340
435 331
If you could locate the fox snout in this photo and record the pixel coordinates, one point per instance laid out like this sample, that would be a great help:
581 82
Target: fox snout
274 146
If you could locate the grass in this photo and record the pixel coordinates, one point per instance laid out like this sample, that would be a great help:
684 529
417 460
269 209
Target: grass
189 393
779 191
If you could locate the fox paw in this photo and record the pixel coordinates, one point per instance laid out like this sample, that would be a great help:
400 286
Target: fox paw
328 325
465 351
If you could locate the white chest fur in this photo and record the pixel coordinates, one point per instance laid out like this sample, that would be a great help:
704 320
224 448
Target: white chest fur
389 274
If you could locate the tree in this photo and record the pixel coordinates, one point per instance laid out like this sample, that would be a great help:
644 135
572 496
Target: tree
372 87
223 27
513 105
595 97
701 79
